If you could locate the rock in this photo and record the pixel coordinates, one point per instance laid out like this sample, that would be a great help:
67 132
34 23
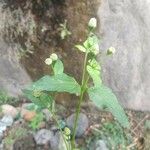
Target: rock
3 127
7 120
1 136
57 142
25 143
48 115
43 136
127 72
1 146
23 111
101 145
9 110
83 123
29 115
61 110
42 125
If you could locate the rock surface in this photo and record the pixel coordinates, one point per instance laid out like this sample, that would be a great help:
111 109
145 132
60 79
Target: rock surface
43 136
101 145
25 143
57 142
125 26
29 115
83 123
9 110
7 120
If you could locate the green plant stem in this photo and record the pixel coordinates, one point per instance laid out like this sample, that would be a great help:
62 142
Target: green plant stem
83 88
55 118
84 70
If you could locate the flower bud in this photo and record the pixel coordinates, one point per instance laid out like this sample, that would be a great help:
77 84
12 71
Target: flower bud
48 61
111 50
54 57
92 23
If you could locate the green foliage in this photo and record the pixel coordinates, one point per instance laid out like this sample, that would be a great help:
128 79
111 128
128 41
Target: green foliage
43 100
102 96
105 99
113 135
58 67
64 32
93 69
57 83
13 135
34 124
6 99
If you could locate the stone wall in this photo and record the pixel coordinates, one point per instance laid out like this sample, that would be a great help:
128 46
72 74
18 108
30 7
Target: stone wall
124 24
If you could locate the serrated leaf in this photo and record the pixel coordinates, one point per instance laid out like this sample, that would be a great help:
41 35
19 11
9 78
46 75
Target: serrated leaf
81 48
93 68
58 67
58 83
43 101
103 97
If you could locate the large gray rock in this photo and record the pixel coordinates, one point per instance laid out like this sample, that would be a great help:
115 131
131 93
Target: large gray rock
43 136
82 125
125 25
13 76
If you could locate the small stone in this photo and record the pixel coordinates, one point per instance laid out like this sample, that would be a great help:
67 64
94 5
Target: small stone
82 125
43 136
2 127
9 110
1 136
101 145
24 143
57 142
42 124
29 115
7 120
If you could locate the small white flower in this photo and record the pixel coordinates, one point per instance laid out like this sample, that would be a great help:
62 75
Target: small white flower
111 50
54 57
48 61
92 23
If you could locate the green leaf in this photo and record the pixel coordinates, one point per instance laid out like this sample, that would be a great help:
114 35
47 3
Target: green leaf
58 67
103 97
58 83
81 48
43 101
93 68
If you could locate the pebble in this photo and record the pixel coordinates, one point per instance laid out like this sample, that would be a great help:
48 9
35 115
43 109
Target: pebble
57 142
101 145
29 115
7 120
83 124
43 136
9 110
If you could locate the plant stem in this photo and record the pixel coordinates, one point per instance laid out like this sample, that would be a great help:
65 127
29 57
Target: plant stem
83 88
56 120
84 70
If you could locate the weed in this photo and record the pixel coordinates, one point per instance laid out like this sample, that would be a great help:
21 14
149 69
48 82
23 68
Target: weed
64 32
42 91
